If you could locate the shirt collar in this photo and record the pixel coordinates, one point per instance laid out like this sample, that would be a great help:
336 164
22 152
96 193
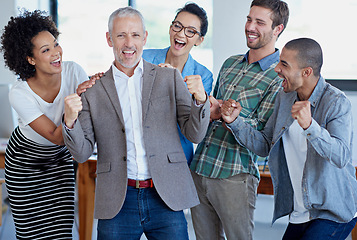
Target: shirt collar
266 62
317 92
160 56
138 70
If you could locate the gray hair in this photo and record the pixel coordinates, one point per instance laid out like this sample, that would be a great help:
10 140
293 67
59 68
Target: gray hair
124 12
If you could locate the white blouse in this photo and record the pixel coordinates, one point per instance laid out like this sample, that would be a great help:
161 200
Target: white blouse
29 106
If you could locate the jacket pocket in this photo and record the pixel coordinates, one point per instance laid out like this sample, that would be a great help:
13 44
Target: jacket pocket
176 157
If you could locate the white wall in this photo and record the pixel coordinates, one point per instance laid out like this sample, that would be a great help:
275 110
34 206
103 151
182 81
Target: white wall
7 9
7 121
229 17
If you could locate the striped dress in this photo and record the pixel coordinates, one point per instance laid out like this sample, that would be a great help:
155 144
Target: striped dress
40 185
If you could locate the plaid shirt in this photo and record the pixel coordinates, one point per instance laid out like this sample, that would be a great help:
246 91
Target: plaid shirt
255 87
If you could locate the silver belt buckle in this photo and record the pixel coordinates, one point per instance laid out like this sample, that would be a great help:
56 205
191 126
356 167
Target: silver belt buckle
137 185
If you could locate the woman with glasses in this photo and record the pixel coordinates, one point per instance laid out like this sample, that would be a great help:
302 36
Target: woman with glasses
186 31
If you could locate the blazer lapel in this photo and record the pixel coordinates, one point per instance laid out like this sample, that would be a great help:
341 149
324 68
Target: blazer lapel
109 86
148 81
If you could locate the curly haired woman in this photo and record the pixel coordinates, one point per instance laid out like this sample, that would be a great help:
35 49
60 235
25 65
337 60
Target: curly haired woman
38 167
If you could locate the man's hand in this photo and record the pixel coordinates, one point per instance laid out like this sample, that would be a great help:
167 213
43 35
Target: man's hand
72 106
195 87
301 111
215 108
230 110
88 84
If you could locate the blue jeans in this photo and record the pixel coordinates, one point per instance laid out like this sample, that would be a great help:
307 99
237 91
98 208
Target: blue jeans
319 229
144 211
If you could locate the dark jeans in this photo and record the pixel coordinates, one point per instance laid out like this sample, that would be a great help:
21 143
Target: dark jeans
319 229
144 212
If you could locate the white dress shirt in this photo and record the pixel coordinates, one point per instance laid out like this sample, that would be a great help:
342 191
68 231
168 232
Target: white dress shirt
129 91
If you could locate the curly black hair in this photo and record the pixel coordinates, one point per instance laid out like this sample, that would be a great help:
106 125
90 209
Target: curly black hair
16 40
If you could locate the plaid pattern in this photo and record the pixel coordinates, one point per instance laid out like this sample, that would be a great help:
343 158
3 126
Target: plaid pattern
255 87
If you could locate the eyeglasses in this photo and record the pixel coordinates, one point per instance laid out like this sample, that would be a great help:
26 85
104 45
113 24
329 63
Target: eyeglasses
189 31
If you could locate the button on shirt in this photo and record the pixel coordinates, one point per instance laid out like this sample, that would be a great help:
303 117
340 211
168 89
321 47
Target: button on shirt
129 91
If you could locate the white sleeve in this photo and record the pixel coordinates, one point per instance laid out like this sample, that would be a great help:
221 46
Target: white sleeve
81 75
73 75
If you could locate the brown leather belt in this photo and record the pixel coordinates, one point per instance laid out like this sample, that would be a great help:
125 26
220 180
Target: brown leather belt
140 184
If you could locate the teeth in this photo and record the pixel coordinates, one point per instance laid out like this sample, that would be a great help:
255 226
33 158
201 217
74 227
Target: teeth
57 60
179 41
128 52
252 36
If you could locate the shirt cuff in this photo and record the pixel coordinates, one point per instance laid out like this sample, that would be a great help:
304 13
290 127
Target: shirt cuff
199 105
65 126
238 124
312 131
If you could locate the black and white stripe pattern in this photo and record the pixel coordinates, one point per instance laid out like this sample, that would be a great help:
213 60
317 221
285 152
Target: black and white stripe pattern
40 185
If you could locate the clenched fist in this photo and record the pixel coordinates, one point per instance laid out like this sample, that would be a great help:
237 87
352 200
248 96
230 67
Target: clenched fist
72 106
230 110
301 111
195 87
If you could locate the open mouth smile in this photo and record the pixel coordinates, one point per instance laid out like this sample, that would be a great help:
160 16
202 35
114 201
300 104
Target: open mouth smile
179 44
56 62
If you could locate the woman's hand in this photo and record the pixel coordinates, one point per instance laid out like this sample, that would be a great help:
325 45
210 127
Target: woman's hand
89 83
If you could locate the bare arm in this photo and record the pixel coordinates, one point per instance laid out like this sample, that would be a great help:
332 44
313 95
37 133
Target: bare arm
47 129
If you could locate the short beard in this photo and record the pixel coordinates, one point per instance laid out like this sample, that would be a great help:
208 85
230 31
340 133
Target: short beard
261 43
119 60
